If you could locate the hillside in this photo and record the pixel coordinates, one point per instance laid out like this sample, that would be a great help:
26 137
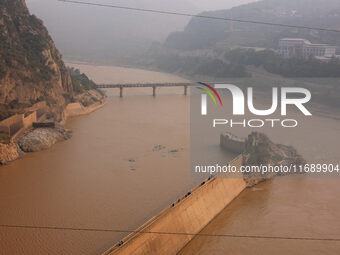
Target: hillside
31 67
202 33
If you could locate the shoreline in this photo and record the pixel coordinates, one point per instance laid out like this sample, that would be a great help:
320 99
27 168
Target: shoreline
12 151
76 109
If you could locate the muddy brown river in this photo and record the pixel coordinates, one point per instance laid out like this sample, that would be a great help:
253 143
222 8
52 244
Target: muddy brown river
281 208
129 160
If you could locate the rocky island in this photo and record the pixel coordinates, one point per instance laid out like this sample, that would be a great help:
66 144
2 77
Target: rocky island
258 150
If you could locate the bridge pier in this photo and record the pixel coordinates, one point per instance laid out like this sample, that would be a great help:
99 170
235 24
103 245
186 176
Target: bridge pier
185 90
121 91
154 91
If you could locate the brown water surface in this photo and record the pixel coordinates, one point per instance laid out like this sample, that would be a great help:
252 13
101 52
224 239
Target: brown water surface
293 208
108 176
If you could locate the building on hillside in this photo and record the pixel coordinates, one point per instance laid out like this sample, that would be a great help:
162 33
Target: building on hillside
298 47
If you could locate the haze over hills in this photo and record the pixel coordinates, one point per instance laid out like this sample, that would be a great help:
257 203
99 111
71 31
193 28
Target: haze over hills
208 5
98 32
200 33
218 48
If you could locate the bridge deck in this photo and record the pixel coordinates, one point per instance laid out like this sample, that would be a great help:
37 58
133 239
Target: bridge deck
150 85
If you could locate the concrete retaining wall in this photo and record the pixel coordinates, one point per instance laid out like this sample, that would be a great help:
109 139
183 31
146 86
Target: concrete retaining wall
16 124
29 118
40 108
27 122
190 215
76 109
5 129
13 124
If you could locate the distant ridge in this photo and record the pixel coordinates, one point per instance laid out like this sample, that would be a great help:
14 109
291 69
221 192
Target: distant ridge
201 34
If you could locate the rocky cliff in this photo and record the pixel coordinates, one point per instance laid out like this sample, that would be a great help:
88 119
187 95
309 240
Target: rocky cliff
31 68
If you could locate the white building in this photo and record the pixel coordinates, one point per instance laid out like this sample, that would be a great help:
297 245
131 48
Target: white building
298 47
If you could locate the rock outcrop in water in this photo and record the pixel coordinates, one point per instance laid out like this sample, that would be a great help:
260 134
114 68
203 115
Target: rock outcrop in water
42 138
262 151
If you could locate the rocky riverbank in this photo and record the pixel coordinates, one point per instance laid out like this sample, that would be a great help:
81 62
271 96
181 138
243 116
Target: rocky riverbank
42 138
9 152
32 140
38 139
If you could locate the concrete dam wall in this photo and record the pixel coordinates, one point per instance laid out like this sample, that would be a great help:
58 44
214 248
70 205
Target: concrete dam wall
189 215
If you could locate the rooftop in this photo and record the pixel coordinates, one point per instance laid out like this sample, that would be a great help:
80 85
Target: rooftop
296 39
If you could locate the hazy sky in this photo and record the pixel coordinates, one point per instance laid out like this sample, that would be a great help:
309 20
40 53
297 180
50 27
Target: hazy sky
94 31
200 4
218 4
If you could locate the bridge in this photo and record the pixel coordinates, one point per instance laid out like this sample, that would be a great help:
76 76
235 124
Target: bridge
145 85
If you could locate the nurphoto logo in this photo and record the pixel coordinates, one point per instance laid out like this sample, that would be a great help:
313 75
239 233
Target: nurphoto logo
238 108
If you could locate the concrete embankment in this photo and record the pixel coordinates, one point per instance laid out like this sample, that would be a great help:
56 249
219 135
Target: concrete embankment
76 109
187 216
87 102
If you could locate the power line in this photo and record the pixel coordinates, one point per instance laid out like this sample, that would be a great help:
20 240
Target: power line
172 233
199 16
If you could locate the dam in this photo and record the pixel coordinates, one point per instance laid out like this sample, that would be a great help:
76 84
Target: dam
170 230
